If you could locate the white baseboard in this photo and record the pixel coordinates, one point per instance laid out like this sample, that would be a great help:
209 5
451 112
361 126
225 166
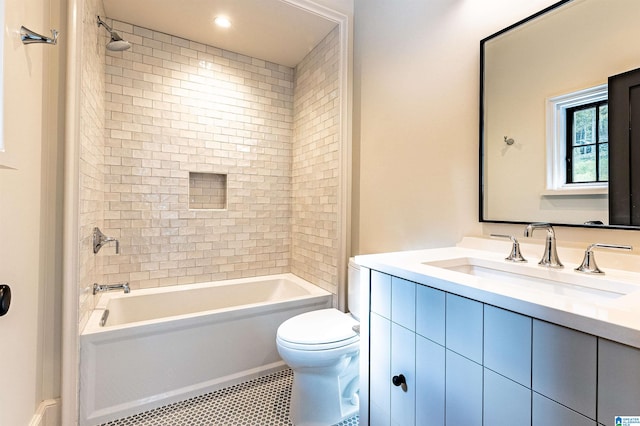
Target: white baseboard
48 414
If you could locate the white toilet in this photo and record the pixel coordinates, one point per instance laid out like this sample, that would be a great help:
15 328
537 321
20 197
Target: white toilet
323 350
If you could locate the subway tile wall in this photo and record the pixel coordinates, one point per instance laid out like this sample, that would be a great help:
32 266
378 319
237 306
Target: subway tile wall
207 191
91 156
314 255
173 107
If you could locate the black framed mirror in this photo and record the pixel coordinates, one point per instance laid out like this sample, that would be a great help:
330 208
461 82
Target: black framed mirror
532 75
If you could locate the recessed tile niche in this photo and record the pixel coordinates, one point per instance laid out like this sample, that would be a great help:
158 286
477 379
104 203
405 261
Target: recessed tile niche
207 191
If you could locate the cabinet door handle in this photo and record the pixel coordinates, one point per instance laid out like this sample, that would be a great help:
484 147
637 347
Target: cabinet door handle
400 380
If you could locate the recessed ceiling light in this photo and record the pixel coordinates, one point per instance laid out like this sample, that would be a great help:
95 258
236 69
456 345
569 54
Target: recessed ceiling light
222 21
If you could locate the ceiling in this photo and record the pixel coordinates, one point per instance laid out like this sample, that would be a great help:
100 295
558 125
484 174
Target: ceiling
272 30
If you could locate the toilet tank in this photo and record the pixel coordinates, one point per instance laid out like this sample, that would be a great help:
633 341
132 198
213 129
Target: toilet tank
353 289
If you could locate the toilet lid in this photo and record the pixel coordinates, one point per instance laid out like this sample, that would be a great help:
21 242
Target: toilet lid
319 328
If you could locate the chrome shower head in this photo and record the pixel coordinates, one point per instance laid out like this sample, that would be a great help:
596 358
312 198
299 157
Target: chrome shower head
117 43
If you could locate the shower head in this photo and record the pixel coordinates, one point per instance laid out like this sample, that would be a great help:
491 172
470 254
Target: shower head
117 43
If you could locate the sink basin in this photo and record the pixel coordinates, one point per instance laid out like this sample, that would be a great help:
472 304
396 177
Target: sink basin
565 282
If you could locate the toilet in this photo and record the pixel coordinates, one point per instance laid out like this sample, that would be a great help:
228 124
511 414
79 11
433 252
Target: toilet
323 350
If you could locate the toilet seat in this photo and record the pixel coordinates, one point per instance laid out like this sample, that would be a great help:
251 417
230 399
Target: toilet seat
319 330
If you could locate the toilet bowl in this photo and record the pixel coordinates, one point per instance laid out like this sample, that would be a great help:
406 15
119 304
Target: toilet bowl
323 349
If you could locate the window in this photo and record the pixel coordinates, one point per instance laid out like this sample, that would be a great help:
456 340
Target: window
577 143
587 154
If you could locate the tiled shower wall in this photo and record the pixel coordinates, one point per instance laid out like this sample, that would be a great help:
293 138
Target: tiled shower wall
173 107
316 149
91 158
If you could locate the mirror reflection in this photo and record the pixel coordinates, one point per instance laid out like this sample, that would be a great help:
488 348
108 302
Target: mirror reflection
544 111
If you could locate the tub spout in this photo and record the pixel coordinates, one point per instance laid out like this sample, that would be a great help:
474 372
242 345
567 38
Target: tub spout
98 288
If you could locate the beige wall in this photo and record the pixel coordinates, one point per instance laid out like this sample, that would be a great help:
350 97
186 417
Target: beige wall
416 68
31 210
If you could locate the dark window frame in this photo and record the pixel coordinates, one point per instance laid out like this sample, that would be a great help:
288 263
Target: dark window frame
569 118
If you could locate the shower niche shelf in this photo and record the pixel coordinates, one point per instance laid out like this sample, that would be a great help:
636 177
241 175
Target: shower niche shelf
207 191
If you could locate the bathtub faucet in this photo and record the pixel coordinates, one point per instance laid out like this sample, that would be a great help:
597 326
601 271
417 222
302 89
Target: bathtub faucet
97 288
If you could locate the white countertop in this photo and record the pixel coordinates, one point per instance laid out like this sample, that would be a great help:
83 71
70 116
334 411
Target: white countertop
617 319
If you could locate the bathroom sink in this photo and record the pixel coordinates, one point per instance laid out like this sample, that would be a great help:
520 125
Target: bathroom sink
565 282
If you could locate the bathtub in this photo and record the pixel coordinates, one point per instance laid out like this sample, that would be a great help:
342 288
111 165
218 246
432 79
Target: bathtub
159 346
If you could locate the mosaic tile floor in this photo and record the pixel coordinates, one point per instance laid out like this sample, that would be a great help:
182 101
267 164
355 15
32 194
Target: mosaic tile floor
260 402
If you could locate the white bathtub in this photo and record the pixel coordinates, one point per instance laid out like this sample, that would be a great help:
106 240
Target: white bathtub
164 345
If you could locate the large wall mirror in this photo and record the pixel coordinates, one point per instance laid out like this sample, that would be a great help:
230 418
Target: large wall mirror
534 74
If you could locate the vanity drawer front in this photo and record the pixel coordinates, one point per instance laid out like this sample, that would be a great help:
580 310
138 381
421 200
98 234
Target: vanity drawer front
403 303
403 362
507 344
564 366
381 294
506 403
618 381
546 412
430 313
463 400
430 379
380 371
464 327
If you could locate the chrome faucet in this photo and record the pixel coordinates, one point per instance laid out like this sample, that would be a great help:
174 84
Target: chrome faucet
588 265
515 255
550 257
98 288
99 239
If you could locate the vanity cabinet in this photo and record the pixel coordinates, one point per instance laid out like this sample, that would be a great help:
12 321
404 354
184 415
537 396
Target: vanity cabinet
430 382
468 362
618 381
463 397
392 351
565 366
506 403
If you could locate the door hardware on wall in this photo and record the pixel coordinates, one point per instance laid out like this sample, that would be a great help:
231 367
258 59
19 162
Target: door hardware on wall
5 298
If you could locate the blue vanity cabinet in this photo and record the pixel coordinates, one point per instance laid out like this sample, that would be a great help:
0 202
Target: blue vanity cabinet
547 412
618 381
392 351
507 372
506 403
464 327
403 365
564 367
468 362
463 372
463 401
430 382
381 294
430 356
379 370
403 352
380 350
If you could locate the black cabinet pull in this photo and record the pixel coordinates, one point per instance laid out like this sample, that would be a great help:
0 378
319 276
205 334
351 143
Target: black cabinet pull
399 380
